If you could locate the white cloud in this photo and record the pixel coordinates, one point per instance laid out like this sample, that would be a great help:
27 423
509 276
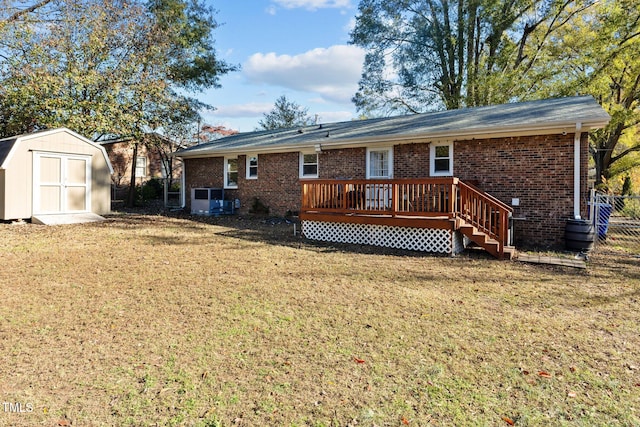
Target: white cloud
331 73
271 10
348 28
250 109
334 116
313 4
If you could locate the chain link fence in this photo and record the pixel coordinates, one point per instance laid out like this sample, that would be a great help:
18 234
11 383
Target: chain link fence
617 222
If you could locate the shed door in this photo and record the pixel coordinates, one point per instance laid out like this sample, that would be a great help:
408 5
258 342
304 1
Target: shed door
62 183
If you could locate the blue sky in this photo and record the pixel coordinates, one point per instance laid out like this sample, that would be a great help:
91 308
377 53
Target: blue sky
296 48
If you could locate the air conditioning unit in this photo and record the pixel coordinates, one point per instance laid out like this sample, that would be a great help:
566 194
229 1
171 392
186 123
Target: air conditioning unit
207 201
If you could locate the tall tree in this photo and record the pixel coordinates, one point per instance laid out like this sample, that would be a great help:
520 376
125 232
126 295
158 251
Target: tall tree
106 67
434 54
285 114
599 54
611 69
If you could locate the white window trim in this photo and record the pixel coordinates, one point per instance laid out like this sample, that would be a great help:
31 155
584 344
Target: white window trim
144 166
248 166
226 176
432 159
301 164
390 157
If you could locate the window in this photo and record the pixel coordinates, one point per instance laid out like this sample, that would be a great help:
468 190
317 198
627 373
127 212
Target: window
252 167
308 165
380 163
230 172
141 166
441 159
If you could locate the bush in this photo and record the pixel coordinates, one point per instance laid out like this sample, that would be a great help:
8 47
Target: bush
150 190
257 207
631 208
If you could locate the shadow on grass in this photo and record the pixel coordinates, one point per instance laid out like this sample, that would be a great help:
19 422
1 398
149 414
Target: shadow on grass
253 228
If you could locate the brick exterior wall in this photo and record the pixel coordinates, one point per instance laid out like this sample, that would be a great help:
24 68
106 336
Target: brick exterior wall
343 164
411 161
121 157
537 170
277 185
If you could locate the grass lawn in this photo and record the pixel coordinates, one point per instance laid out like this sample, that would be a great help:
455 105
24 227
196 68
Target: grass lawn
147 320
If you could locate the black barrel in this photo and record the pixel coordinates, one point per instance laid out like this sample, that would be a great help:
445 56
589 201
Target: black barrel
579 235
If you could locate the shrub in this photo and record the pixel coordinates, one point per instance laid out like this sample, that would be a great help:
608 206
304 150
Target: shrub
631 208
257 207
150 190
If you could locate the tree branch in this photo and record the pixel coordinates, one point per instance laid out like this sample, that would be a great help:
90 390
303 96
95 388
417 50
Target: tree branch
26 11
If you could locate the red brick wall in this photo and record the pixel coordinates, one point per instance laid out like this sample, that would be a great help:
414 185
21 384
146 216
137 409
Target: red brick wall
120 155
411 161
537 170
343 164
277 185
206 172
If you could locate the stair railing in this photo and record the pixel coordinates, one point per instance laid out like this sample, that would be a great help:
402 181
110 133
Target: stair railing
488 214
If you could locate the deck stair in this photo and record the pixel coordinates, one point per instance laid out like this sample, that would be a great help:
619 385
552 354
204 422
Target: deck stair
483 240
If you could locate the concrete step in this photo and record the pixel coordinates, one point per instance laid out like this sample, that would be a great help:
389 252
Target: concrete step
61 219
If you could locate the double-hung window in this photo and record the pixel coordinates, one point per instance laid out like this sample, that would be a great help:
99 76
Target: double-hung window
252 166
308 165
230 172
141 167
379 166
441 159
379 163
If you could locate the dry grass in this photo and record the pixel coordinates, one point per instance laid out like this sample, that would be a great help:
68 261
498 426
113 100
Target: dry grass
149 320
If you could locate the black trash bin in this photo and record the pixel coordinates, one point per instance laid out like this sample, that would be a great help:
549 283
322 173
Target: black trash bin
579 235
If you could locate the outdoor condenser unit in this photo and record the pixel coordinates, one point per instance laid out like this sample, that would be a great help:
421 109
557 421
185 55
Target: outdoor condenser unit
207 201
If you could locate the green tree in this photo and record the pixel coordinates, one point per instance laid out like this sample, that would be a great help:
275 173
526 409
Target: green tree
285 114
434 54
611 67
106 67
599 54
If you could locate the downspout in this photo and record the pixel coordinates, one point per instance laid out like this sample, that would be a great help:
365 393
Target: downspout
183 181
576 171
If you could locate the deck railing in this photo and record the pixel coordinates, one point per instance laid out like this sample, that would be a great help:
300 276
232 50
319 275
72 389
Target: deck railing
393 197
485 212
424 197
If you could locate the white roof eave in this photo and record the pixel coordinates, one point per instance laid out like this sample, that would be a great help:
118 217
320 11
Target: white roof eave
468 134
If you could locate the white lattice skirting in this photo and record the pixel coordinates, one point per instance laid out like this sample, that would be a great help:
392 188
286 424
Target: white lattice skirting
411 238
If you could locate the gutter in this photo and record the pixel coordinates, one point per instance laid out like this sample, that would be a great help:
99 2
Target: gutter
341 142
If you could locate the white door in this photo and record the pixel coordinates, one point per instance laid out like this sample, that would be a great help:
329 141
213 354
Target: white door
62 183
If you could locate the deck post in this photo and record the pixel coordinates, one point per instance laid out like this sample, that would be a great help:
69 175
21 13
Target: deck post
394 199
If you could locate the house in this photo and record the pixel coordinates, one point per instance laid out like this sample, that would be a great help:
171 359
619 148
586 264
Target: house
153 161
503 174
53 173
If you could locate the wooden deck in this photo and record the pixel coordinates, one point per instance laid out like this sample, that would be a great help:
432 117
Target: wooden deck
436 203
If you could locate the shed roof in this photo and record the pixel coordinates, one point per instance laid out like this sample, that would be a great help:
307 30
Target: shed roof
6 145
524 118
9 145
